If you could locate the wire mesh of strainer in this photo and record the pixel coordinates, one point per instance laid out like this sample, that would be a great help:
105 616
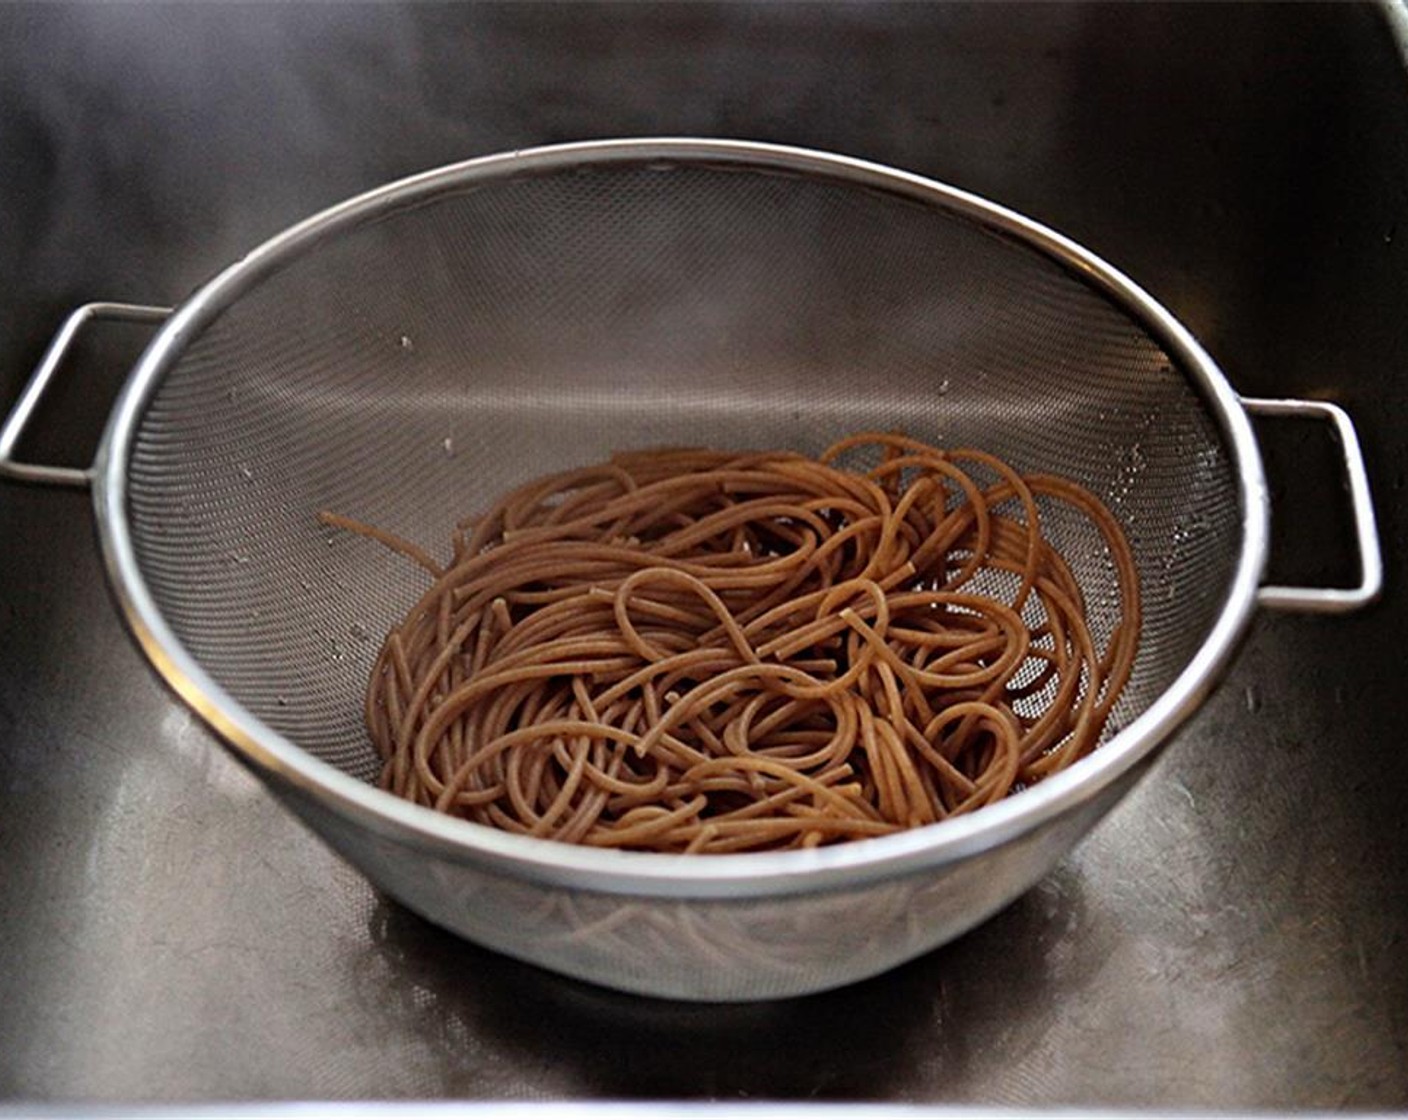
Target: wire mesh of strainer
405 358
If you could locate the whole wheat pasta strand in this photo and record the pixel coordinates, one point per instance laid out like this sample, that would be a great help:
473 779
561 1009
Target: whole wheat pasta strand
704 651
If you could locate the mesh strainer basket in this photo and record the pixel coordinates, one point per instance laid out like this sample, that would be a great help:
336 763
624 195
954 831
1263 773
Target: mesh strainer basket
405 357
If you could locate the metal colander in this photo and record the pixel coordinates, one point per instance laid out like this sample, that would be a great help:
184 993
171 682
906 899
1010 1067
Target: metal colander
406 357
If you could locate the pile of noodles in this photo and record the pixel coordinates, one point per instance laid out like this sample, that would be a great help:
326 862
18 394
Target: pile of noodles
713 651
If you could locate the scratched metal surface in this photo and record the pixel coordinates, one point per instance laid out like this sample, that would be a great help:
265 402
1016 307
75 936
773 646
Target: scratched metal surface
1233 936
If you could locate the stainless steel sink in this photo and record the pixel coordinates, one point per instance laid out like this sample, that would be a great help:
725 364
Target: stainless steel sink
1233 936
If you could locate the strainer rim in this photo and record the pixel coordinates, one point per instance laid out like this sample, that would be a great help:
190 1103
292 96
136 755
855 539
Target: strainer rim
734 875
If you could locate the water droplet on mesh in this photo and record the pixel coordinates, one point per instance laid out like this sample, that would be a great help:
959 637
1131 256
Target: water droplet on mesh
239 557
246 472
944 386
303 583
282 701
449 446
406 343
1253 700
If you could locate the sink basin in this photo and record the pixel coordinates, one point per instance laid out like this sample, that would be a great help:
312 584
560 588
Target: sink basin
1230 937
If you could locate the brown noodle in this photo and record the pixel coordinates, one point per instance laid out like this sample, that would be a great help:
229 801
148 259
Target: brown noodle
713 651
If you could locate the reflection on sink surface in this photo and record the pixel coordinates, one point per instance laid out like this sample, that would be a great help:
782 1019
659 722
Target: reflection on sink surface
1230 937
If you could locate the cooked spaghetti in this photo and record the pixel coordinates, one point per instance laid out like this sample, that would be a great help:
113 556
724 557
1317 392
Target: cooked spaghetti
705 651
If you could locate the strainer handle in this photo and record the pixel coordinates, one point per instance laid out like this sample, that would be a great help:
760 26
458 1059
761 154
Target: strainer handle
44 373
1371 566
